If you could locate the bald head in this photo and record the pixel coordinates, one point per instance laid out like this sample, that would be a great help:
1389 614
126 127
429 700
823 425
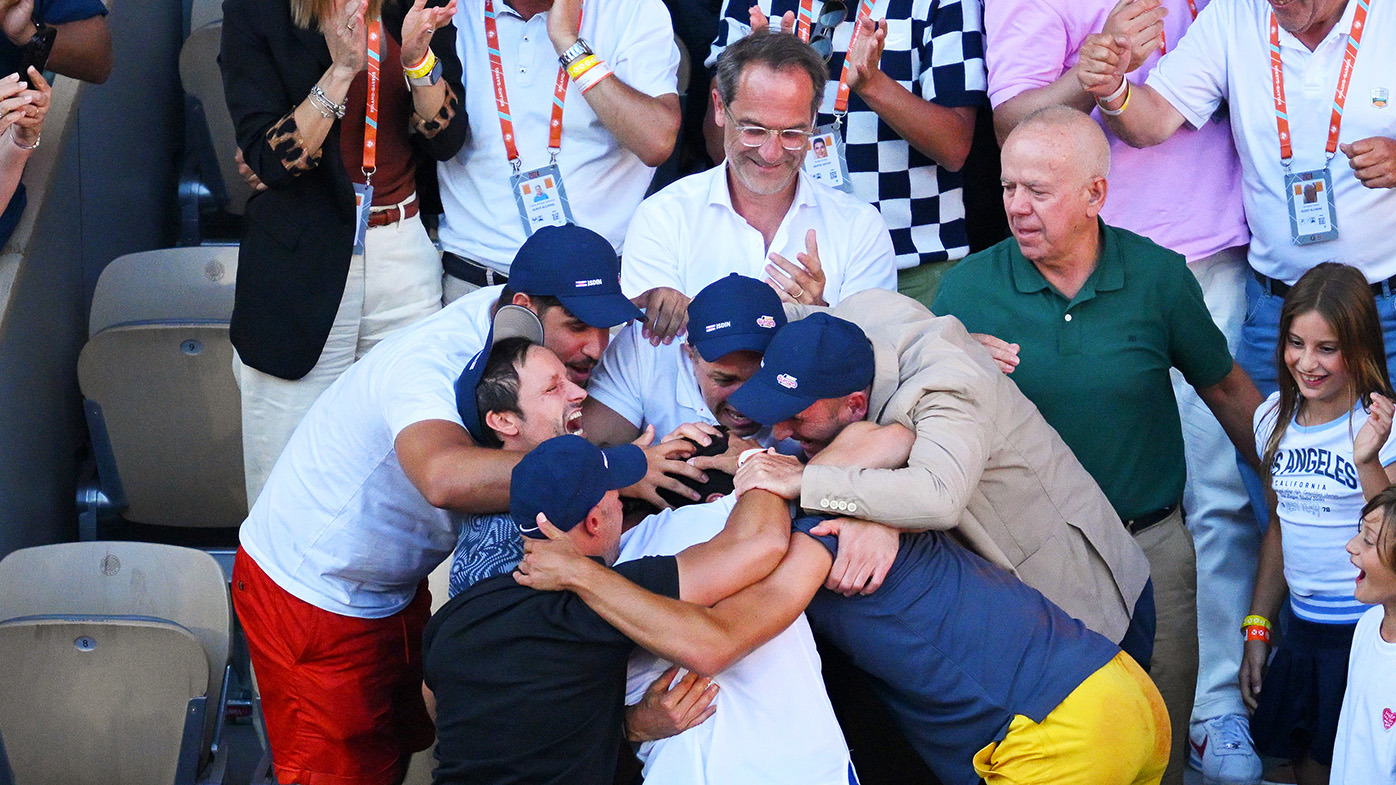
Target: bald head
1068 133
1053 175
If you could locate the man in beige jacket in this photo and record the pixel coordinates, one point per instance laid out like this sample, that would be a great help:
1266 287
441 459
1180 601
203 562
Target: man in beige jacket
984 465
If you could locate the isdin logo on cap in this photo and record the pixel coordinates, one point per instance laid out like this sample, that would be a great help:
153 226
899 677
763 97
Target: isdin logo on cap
718 326
590 282
787 381
768 322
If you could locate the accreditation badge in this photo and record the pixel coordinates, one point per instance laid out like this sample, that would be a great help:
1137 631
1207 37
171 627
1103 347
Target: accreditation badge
826 161
363 203
1313 218
541 198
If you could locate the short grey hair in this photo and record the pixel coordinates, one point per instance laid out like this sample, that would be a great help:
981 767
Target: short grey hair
778 52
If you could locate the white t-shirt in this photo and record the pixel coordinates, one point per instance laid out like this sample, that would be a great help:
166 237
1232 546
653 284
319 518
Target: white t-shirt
603 180
689 235
1225 56
655 385
773 723
1320 505
338 523
1364 752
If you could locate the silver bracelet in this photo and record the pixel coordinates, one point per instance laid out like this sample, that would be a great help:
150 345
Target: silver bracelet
15 138
326 105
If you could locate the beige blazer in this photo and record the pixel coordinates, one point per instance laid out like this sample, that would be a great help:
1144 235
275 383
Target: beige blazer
985 466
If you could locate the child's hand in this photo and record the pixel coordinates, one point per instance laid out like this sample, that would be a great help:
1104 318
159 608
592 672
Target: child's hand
1367 446
1253 672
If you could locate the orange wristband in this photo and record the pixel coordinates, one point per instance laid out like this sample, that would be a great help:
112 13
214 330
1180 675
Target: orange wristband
1255 632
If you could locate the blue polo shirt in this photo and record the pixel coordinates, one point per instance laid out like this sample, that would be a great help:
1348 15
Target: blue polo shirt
956 648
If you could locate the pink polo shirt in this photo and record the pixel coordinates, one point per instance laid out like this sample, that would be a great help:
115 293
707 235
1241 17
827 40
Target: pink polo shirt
1184 194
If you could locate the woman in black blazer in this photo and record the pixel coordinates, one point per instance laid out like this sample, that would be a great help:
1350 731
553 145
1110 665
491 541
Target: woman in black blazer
308 302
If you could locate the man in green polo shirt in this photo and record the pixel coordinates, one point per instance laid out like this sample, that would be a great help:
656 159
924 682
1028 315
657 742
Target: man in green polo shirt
1097 317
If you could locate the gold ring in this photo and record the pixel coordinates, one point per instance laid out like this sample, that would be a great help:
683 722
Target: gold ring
349 27
798 295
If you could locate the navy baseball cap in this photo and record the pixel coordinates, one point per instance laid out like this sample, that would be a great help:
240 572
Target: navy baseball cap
510 321
565 477
732 314
817 357
578 267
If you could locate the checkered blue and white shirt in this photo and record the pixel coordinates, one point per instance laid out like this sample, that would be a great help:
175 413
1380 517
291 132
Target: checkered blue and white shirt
935 49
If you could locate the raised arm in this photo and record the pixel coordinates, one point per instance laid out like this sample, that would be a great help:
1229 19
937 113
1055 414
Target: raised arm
1148 119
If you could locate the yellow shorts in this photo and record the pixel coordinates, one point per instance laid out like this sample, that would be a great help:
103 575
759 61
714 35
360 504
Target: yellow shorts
1111 730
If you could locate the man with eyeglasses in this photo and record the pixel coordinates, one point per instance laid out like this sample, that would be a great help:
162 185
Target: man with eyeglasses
757 214
903 94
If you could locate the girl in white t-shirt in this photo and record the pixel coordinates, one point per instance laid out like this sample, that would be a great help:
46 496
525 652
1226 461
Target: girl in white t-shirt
1365 750
1323 438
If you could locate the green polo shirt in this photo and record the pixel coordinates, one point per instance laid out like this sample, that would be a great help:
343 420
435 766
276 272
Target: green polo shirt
1097 365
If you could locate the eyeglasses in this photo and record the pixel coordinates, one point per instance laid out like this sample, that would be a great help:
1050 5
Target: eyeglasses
756 135
831 15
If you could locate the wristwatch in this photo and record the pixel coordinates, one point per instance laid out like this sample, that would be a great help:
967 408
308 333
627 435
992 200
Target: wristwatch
574 53
430 79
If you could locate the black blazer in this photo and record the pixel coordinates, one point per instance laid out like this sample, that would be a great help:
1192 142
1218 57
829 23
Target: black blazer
299 233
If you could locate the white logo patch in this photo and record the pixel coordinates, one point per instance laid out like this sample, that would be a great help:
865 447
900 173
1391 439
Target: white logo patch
787 381
767 322
718 326
591 282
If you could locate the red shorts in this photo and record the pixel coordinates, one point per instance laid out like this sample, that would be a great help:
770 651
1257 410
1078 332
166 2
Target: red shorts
342 696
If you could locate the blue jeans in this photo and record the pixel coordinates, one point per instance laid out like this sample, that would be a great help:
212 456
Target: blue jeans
1259 334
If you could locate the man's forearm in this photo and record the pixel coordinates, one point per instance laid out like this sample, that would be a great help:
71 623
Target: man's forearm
1148 119
1065 90
746 550
942 132
647 126
1233 401
82 50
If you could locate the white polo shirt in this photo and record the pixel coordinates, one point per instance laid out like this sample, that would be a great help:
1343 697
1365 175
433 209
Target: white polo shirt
604 181
338 523
1225 56
774 724
655 385
689 235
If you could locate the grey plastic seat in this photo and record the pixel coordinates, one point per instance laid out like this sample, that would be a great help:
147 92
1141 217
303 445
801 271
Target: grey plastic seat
119 583
198 70
163 406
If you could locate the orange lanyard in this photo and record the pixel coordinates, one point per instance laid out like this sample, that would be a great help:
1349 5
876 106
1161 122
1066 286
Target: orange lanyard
805 20
841 98
375 67
501 97
1163 39
1277 78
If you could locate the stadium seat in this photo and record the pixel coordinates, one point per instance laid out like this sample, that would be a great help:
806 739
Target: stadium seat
163 406
202 80
117 602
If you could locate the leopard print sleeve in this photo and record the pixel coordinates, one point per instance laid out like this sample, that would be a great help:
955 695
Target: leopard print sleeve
431 127
284 139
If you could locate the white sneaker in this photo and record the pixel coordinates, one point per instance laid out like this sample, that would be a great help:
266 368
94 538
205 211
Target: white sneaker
1222 750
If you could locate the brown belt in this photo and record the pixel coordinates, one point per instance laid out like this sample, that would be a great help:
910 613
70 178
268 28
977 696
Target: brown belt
382 216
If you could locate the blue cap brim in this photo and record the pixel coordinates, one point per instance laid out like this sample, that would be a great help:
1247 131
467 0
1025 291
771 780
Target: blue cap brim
627 465
714 349
766 402
601 310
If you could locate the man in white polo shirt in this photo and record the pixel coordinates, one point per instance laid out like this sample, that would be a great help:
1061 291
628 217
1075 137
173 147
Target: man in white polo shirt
1333 70
758 214
637 385
329 583
619 117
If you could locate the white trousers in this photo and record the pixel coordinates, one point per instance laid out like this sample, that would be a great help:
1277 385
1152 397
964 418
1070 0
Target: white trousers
1217 509
396 281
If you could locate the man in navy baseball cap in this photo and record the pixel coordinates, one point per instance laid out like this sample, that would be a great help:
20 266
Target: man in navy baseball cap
814 380
567 479
733 314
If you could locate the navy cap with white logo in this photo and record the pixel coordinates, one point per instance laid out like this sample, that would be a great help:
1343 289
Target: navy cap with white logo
510 321
565 477
732 314
578 267
817 357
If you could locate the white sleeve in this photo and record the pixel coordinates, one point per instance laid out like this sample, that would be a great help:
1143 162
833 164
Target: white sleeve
872 262
620 376
651 251
1264 422
646 57
1193 76
418 388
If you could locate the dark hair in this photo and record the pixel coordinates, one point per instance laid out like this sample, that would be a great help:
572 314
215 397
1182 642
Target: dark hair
719 482
498 390
1340 295
1386 538
778 52
541 302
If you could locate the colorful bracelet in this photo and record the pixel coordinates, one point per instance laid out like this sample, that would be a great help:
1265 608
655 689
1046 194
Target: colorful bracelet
423 68
1115 112
1256 621
581 65
1255 632
593 76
